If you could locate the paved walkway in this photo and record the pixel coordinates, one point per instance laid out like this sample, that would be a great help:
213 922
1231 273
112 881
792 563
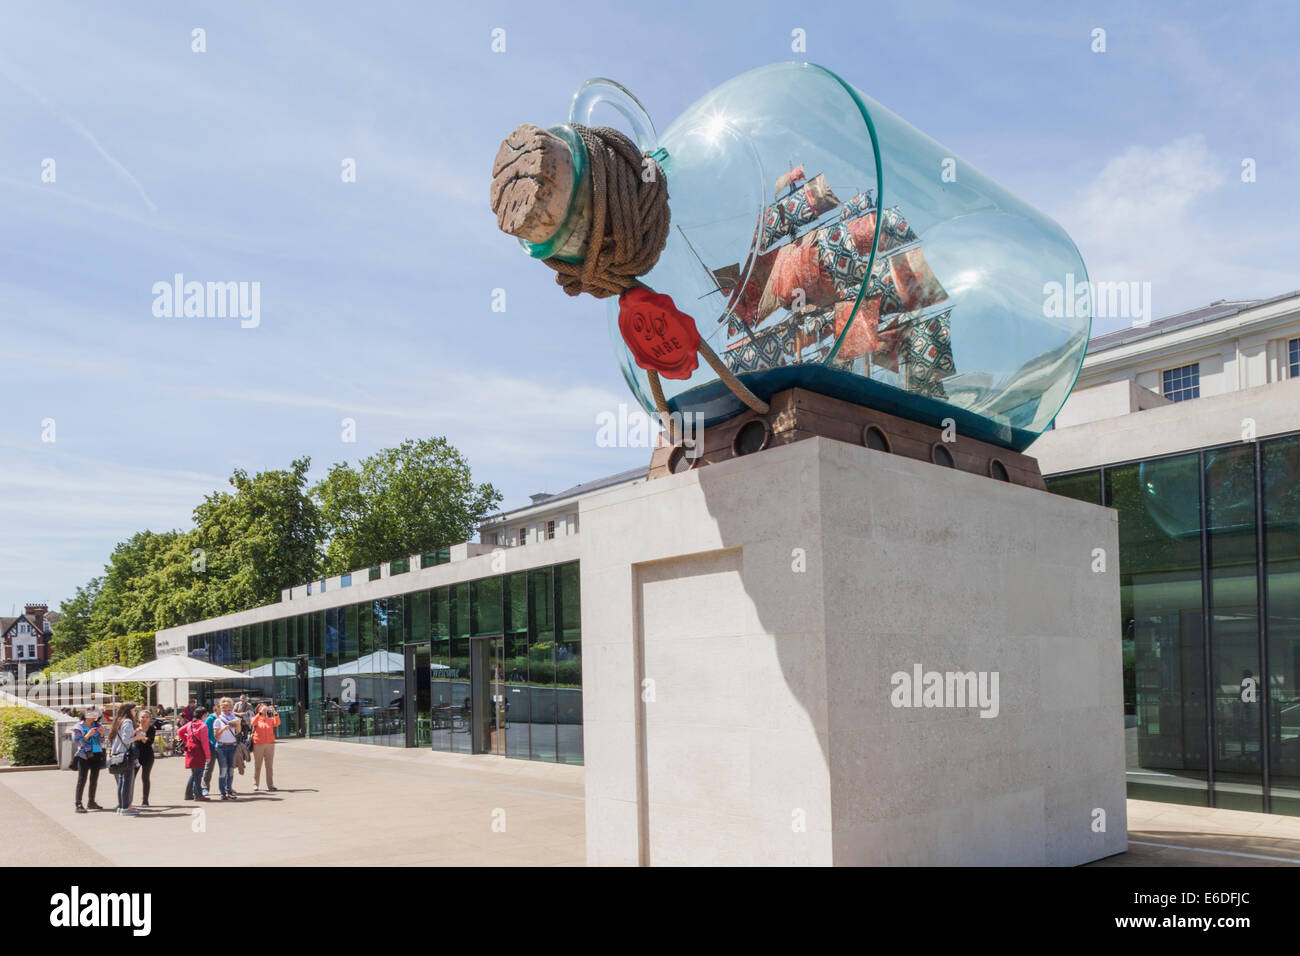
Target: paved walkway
1169 834
344 804
339 804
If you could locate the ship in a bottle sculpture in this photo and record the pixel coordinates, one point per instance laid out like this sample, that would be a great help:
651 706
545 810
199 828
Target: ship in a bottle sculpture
790 258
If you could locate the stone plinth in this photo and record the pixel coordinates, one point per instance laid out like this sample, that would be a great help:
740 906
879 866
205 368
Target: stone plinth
745 627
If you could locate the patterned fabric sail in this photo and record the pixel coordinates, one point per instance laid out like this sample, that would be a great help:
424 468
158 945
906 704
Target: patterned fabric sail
816 277
804 205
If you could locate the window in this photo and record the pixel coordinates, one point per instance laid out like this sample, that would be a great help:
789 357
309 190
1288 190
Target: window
523 535
309 587
374 573
345 580
20 650
322 585
550 530
1293 358
1182 383
431 558
400 566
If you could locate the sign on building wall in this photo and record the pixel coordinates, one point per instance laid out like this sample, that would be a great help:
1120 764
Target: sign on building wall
167 645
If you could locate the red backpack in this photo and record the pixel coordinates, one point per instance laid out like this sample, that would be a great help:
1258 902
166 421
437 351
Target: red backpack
190 736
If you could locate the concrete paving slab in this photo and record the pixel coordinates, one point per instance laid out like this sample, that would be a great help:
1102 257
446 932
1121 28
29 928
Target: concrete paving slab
351 804
338 803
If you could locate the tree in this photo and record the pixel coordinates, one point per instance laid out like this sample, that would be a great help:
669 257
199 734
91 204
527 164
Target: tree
123 605
252 543
410 499
72 632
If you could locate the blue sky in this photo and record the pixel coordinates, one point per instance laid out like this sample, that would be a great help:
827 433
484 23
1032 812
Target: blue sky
376 295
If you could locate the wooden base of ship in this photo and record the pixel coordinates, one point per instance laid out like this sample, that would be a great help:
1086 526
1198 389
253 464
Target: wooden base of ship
797 413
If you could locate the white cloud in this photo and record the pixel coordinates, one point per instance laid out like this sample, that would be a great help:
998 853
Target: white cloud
1144 189
1156 214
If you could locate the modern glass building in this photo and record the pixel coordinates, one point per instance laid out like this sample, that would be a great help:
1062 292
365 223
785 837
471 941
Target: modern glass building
491 664
1189 427
1209 569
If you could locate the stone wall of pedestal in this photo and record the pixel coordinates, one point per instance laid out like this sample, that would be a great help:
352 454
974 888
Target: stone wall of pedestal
744 629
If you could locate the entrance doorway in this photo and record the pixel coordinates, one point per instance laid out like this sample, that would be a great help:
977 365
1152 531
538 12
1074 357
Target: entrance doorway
300 708
488 710
416 698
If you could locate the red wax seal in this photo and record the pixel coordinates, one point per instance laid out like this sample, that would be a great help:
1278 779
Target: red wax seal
660 335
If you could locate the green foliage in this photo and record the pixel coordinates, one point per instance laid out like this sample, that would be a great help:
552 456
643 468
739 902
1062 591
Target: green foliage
248 543
128 650
26 737
268 532
73 630
401 501
262 538
126 602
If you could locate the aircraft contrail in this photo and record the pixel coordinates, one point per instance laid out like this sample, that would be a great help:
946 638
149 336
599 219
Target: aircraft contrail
9 73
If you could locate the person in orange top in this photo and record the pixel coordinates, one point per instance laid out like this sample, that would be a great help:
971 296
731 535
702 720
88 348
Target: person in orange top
264 723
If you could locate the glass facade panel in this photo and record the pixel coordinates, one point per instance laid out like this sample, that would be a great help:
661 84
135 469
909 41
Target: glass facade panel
431 558
315 674
1237 722
517 686
396 632
460 610
1161 613
505 651
417 617
369 670
486 595
440 693
568 665
390 713
1210 606
1084 486
345 680
541 664
1280 482
462 710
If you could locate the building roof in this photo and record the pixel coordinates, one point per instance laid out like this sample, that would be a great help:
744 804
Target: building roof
1206 313
35 620
586 487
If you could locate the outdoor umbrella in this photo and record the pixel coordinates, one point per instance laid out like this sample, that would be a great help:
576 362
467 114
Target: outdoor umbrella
112 674
178 667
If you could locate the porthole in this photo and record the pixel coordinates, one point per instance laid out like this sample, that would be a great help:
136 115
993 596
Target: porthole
998 470
941 455
873 436
753 436
680 460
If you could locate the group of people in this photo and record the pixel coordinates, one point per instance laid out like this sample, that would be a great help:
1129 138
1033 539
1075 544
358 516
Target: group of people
221 739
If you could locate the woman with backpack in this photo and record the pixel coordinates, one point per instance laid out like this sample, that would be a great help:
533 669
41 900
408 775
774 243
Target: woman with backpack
88 738
121 759
194 736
